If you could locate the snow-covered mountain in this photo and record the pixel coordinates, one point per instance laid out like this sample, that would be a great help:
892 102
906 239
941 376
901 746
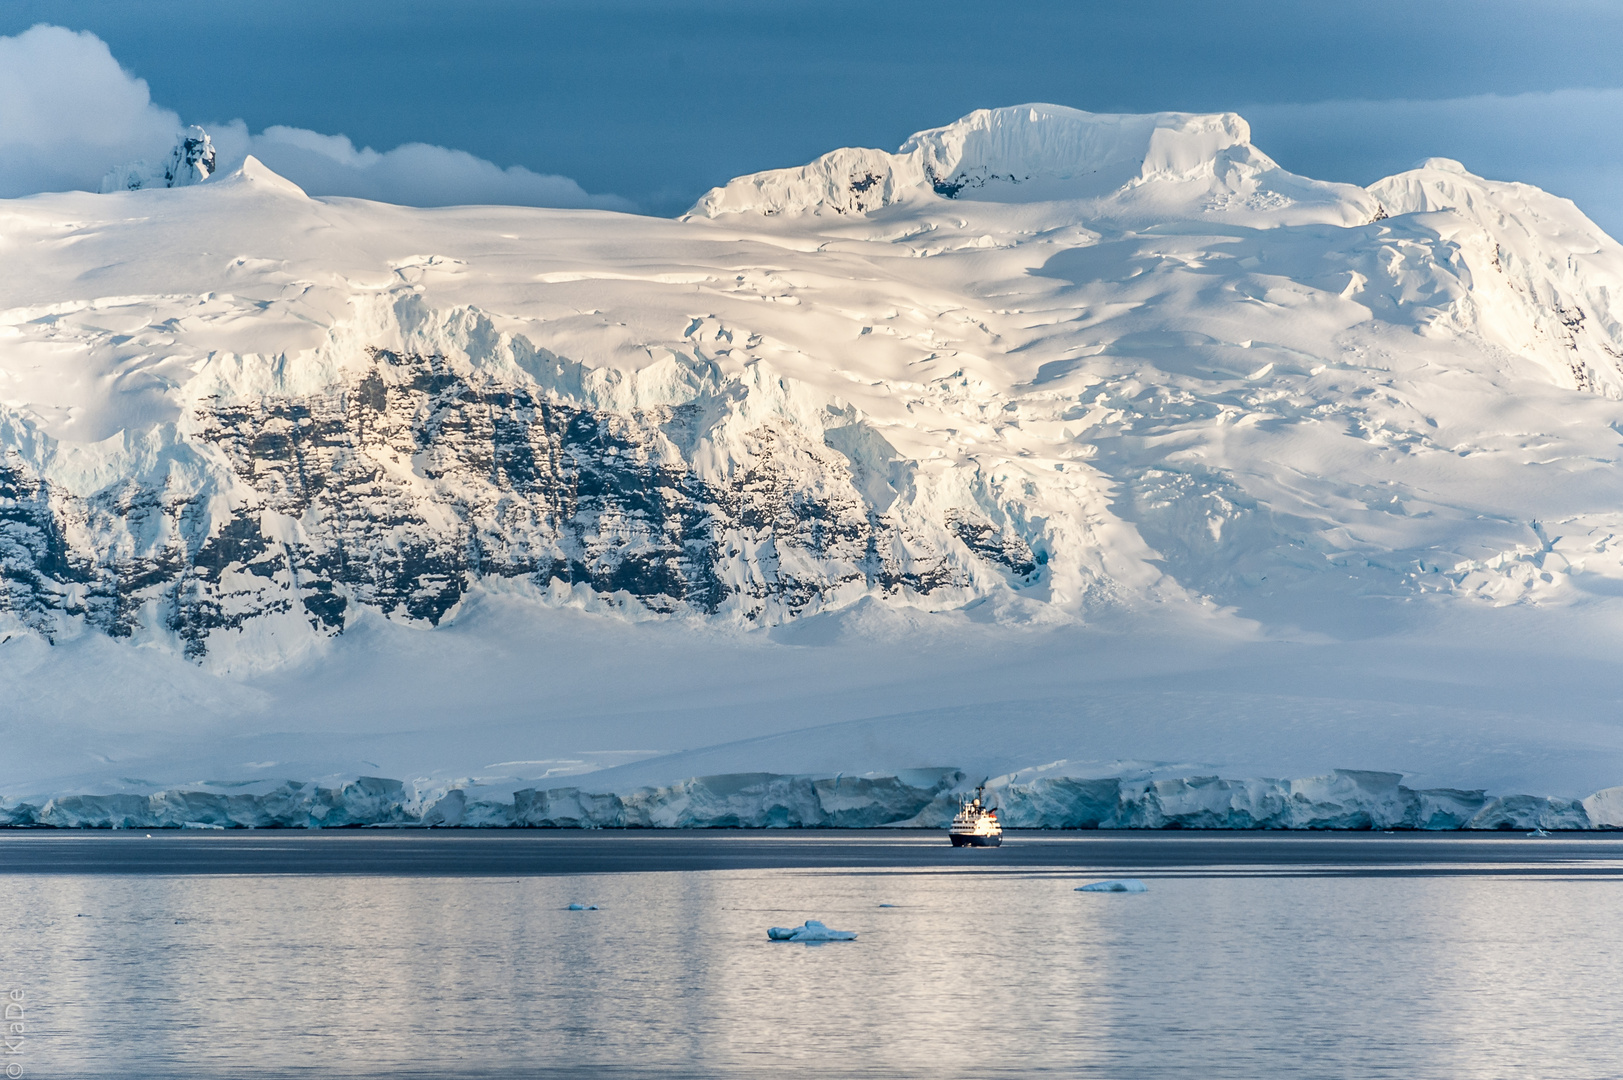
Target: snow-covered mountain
1038 369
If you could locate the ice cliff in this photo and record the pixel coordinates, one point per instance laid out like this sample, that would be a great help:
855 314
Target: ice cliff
925 799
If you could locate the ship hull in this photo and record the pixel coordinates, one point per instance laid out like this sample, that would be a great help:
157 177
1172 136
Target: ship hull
976 841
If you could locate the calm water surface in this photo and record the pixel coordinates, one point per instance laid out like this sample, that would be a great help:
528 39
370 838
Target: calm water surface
1412 958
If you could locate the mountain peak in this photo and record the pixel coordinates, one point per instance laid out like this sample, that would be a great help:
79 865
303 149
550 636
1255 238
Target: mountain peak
1043 153
1067 152
192 160
260 175
1442 164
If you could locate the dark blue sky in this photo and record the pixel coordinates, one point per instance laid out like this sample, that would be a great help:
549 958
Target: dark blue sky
657 100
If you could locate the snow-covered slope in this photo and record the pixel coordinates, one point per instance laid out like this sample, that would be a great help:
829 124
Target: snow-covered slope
1038 369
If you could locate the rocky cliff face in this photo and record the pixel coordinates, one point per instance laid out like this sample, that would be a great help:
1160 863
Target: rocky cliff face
415 479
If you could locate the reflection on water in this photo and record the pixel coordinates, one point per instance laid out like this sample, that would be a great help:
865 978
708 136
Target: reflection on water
969 975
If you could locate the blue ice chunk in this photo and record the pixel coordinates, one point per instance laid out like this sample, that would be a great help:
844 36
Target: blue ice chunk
813 931
1115 885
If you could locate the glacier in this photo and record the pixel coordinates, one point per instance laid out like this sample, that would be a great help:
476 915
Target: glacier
1052 437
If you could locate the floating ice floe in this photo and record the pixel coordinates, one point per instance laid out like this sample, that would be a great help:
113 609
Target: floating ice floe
813 931
1115 885
581 907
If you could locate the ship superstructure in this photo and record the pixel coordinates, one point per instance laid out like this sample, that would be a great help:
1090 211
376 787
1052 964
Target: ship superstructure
976 824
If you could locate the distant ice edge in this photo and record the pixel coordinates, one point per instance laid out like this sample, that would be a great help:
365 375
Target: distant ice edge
1344 799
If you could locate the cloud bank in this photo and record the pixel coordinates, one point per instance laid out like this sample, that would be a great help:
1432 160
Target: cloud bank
69 114
416 174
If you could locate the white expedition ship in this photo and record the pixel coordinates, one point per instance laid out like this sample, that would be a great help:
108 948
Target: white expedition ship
976 824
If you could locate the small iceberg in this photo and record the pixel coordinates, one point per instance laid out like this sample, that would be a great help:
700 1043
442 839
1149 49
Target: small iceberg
1115 885
813 931
581 907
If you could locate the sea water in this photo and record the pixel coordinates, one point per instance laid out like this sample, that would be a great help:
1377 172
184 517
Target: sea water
1437 961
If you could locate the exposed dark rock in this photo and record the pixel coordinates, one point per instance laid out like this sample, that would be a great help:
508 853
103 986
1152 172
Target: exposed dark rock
990 542
36 565
404 487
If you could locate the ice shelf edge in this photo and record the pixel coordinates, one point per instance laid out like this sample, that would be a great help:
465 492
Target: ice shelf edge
1343 799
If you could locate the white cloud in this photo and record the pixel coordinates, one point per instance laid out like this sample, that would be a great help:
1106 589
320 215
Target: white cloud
69 114
415 174
1565 141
